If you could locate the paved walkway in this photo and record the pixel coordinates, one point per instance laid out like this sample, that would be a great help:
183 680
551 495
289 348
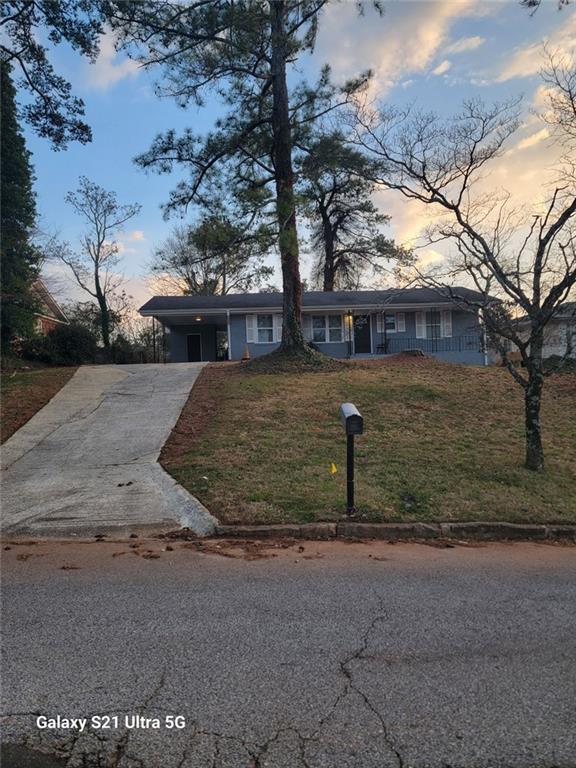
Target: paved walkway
364 656
87 462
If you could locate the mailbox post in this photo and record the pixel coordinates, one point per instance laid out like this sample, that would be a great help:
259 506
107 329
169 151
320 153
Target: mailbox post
353 424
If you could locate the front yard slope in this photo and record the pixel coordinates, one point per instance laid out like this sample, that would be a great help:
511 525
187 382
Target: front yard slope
23 393
441 442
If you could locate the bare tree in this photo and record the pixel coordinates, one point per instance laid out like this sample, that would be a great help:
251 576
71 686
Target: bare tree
215 256
519 261
94 264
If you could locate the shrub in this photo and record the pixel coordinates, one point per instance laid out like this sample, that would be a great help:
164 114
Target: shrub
123 352
65 345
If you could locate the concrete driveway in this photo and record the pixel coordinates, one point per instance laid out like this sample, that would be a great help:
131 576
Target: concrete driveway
87 462
338 656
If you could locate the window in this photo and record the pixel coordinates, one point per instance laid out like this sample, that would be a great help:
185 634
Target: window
335 327
265 329
324 328
390 323
433 325
319 328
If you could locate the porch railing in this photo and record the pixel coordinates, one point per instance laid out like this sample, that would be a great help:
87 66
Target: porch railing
392 345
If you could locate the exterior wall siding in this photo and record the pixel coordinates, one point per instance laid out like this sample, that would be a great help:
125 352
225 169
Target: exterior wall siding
464 324
178 341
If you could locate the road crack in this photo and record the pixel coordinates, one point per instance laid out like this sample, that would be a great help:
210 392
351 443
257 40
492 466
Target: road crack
352 685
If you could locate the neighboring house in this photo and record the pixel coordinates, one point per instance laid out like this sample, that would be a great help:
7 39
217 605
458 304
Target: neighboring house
559 334
342 324
50 314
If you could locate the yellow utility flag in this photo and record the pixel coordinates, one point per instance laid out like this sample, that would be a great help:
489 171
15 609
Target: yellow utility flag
333 469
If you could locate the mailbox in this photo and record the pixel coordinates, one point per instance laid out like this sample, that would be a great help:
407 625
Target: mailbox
351 419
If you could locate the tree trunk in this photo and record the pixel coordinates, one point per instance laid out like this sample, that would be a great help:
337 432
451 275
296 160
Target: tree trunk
292 337
104 312
329 261
532 403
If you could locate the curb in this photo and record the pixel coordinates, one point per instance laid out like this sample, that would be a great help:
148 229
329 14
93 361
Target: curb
479 531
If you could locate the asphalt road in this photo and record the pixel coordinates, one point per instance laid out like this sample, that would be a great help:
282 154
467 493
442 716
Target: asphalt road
367 655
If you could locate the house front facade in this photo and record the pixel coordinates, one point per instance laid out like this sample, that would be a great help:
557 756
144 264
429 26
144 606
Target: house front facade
342 324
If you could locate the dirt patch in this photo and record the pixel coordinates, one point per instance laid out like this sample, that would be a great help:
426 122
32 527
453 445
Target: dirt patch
25 392
198 412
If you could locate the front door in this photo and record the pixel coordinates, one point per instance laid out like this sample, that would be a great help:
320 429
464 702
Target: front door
362 335
194 347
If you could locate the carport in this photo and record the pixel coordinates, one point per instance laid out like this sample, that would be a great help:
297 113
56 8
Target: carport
202 337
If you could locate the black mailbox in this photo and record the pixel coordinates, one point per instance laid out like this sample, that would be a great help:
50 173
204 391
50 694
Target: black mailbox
351 419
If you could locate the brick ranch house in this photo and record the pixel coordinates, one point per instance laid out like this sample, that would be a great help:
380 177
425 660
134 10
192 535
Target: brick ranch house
50 314
342 324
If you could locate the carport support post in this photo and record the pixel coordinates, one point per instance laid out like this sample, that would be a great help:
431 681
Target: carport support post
229 337
350 475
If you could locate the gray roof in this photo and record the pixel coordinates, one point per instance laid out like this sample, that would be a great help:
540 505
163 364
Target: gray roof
565 311
327 299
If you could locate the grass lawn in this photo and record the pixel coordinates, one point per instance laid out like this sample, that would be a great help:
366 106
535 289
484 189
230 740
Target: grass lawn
24 392
441 442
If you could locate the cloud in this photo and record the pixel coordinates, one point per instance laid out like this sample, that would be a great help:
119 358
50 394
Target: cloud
528 60
107 70
403 43
533 139
430 256
135 234
443 67
465 44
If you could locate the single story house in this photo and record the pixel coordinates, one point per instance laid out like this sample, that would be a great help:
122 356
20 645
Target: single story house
341 324
559 333
50 314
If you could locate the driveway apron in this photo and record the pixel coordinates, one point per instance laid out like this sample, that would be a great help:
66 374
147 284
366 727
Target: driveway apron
87 462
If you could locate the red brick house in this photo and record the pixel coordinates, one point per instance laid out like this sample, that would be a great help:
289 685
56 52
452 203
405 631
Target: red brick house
51 314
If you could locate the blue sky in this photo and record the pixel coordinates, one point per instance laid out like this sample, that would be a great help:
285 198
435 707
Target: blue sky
431 53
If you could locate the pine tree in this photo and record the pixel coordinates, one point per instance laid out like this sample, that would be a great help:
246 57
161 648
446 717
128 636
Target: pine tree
19 258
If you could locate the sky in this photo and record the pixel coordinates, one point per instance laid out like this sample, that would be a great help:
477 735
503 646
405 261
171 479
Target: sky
432 53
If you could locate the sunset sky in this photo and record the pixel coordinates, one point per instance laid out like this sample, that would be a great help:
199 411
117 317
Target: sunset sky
433 54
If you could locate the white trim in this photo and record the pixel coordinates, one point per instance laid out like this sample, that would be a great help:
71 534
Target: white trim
277 322
201 349
49 317
229 335
420 319
333 308
446 323
250 324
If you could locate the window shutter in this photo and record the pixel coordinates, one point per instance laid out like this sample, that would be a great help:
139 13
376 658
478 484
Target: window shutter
446 323
379 323
250 329
400 322
278 327
307 327
420 325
